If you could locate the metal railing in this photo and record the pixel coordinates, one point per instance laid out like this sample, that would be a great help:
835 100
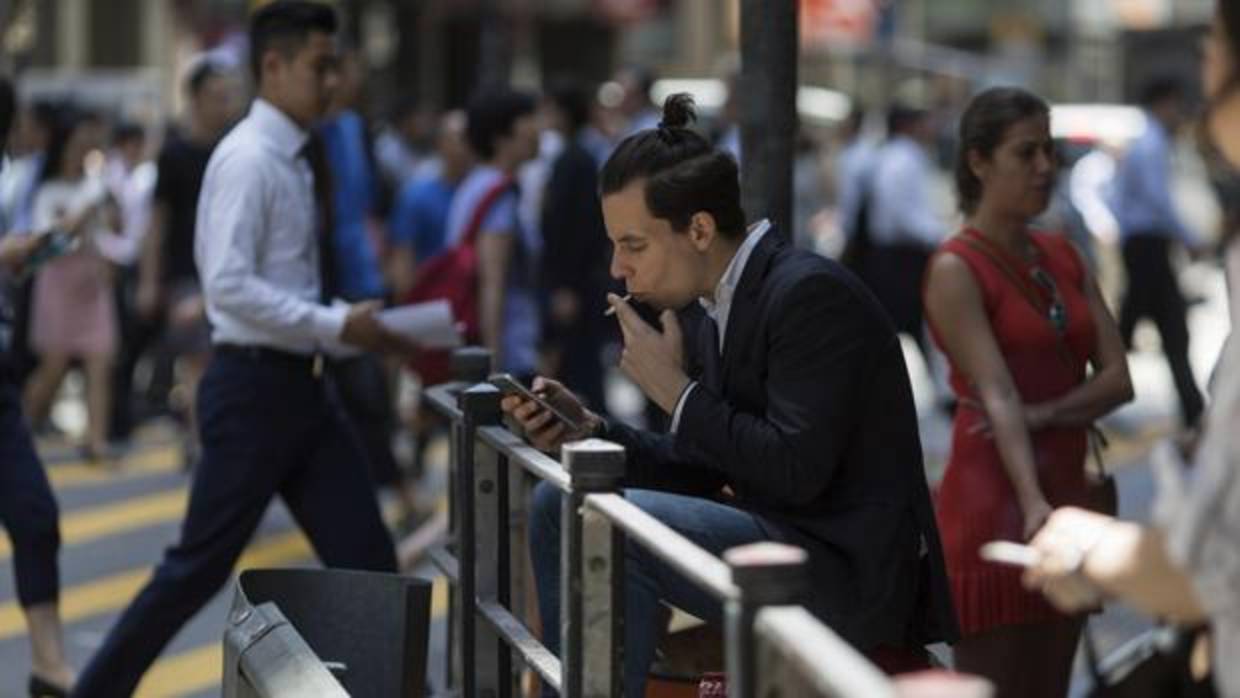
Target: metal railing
769 643
265 656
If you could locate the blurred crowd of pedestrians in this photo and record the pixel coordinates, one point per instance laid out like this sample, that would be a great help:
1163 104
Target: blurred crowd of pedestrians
213 268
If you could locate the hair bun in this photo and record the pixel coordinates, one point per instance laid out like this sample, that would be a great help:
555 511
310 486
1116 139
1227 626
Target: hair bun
678 111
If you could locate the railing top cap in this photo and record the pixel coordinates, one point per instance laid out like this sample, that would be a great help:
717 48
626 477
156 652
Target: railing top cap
470 363
592 446
938 683
765 554
593 463
769 573
481 389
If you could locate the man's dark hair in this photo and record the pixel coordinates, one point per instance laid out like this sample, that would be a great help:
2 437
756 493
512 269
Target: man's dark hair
203 71
284 26
491 116
127 132
8 105
855 121
643 76
982 127
572 97
1160 89
684 174
902 117
46 112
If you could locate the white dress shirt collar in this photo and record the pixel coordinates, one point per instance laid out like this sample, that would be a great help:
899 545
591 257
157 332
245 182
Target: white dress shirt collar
719 307
278 127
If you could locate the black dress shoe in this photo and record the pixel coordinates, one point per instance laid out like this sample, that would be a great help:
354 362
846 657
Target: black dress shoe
41 688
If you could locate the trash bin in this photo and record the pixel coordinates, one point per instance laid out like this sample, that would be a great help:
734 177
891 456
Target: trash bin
369 628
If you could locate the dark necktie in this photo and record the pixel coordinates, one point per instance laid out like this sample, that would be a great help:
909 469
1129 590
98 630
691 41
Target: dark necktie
316 155
712 363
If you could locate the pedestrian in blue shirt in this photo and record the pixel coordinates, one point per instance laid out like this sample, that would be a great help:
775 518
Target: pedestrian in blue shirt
502 128
1149 226
357 239
418 224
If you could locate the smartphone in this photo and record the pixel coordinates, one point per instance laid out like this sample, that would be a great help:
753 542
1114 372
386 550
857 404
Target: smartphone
511 386
1009 553
53 244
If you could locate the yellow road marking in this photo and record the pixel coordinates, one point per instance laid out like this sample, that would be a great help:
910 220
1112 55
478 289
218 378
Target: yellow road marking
154 461
189 672
110 593
86 525
197 670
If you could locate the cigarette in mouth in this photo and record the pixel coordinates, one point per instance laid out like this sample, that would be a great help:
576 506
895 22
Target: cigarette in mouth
611 309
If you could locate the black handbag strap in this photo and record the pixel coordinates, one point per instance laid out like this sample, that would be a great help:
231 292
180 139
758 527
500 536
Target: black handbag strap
986 248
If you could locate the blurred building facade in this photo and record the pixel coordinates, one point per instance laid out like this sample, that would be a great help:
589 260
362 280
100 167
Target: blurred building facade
130 53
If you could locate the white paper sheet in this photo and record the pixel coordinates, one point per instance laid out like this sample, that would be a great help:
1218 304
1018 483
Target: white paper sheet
430 324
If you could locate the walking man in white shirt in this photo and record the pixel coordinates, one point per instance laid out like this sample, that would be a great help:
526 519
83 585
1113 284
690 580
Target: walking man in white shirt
904 226
268 420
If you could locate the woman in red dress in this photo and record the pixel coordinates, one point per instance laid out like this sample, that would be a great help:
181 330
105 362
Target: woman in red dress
1020 319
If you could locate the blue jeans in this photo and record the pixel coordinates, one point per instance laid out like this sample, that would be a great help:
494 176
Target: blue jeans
713 526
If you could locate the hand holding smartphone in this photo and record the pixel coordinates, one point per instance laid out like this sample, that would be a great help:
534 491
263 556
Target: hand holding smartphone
51 244
511 386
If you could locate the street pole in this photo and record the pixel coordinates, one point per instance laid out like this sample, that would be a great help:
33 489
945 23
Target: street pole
494 47
768 83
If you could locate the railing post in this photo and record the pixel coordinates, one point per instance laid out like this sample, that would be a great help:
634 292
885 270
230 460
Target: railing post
767 574
469 365
480 407
492 562
591 575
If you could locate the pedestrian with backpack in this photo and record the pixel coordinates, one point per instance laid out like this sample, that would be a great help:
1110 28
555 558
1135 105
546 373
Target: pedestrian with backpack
502 129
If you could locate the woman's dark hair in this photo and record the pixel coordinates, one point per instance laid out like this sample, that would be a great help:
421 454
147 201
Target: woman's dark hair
985 121
491 116
284 25
684 174
1227 15
68 119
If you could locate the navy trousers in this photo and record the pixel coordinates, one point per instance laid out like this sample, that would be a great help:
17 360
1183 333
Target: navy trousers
269 427
27 508
1153 292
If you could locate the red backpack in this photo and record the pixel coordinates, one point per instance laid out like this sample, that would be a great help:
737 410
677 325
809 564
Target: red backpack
453 275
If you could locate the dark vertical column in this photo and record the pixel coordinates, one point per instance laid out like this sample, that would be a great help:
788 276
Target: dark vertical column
769 43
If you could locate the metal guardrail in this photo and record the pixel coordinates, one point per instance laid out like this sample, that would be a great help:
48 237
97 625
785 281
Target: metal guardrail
265 657
769 643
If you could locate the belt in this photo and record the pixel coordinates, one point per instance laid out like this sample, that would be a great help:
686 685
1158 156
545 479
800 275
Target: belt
312 363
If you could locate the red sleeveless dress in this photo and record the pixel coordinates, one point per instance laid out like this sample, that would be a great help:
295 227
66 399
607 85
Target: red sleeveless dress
975 502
